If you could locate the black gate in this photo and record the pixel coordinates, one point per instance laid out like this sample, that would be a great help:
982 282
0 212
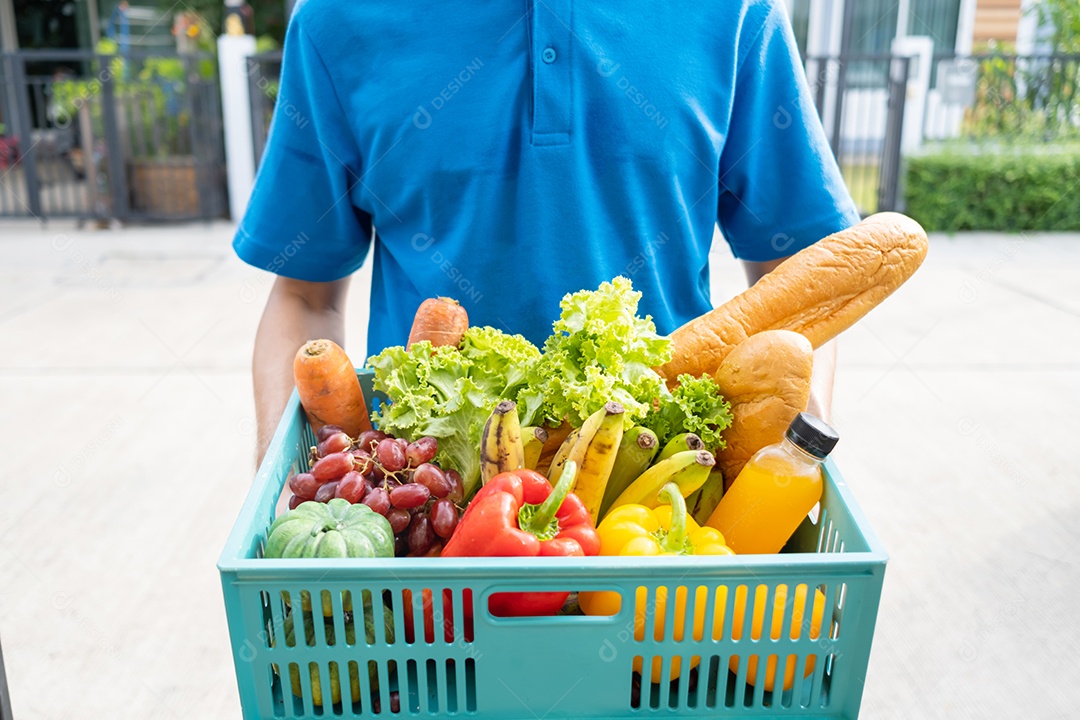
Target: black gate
861 102
126 137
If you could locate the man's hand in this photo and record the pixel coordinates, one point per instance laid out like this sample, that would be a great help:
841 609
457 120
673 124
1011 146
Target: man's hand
821 382
295 312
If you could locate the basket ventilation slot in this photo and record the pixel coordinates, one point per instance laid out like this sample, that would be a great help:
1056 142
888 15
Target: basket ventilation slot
788 635
431 687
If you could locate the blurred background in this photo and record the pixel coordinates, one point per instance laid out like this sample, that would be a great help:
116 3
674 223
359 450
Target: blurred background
111 111
129 135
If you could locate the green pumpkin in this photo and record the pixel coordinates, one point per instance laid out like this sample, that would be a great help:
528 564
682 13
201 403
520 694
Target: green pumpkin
337 529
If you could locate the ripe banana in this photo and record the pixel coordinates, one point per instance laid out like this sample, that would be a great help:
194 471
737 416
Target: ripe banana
563 452
708 497
688 469
501 448
680 443
594 452
533 439
636 452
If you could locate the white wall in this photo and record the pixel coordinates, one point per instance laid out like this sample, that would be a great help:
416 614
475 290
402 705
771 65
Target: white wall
965 29
233 52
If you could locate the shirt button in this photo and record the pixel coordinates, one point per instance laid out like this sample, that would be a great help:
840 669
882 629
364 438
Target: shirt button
548 55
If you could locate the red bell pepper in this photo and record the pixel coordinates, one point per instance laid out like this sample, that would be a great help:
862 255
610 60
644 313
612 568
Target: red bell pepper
519 514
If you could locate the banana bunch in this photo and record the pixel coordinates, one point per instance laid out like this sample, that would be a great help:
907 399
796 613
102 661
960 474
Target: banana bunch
642 468
636 453
689 469
702 503
501 445
680 443
616 466
594 447
505 445
533 439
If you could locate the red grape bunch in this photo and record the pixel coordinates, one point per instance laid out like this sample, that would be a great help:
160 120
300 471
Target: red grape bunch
395 478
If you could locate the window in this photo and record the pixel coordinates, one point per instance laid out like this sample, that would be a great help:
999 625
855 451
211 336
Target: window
873 26
875 23
937 19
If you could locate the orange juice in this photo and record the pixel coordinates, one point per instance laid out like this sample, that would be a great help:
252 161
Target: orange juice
776 489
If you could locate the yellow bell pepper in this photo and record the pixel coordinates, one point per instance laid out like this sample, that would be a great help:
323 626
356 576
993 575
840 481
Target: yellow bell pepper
635 530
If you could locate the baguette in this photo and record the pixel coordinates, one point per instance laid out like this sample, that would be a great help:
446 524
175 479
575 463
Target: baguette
818 292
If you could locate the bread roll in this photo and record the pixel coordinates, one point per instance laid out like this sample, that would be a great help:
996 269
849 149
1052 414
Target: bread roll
819 292
766 378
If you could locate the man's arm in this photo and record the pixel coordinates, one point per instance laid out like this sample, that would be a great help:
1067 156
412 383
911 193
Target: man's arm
295 312
821 382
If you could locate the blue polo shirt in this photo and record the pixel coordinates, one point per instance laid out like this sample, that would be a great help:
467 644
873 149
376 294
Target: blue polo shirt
507 153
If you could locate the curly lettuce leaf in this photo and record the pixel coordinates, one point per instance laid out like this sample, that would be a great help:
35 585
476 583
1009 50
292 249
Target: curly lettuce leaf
696 406
448 393
600 350
499 360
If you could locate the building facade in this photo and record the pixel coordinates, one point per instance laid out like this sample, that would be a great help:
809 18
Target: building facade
79 24
822 27
870 27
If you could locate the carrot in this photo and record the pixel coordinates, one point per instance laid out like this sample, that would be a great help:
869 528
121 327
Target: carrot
441 321
329 389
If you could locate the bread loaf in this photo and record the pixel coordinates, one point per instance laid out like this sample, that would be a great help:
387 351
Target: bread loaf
766 378
818 292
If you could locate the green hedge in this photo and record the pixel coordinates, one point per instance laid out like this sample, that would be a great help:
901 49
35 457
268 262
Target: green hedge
1013 190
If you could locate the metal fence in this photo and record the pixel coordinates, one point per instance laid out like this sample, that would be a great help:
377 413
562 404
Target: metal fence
1004 98
867 106
861 100
140 136
131 137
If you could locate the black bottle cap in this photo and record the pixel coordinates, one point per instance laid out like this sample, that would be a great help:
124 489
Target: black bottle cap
812 434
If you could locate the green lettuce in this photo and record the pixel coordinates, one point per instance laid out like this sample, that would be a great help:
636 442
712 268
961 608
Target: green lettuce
696 406
600 350
449 392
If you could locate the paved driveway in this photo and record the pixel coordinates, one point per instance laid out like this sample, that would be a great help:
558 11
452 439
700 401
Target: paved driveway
127 431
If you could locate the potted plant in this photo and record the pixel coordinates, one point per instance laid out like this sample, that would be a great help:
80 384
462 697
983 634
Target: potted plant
162 167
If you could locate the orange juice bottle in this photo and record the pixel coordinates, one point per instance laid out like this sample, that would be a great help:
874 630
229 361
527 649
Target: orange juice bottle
776 489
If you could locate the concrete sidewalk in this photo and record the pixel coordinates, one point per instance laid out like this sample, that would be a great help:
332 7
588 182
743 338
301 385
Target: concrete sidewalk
128 432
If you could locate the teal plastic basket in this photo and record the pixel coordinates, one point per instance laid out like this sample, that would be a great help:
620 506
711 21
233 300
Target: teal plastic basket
389 662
